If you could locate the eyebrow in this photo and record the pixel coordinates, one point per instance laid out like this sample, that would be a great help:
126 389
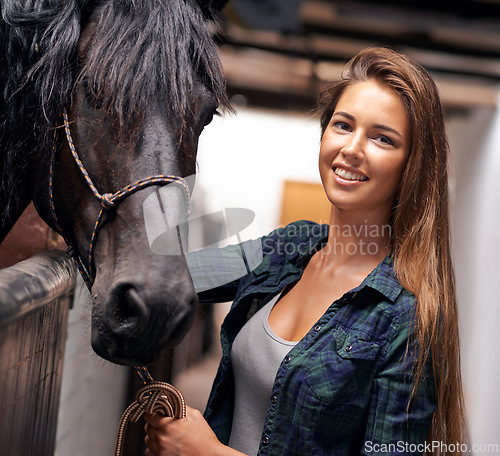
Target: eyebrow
379 126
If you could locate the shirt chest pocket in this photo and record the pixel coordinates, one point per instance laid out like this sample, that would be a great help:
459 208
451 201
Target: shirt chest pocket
343 370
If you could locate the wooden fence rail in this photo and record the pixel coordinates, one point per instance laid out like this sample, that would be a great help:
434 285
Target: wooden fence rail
35 297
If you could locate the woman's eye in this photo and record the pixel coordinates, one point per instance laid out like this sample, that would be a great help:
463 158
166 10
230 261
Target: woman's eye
342 126
384 140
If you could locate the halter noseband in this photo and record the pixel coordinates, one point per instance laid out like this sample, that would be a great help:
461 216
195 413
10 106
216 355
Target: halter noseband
108 201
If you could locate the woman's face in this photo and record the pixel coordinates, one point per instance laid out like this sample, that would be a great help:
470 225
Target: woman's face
365 148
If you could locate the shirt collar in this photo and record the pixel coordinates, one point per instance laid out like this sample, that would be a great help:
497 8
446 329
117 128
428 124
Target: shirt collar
382 279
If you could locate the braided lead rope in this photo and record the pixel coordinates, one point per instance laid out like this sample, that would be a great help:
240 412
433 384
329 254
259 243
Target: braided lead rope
143 374
156 397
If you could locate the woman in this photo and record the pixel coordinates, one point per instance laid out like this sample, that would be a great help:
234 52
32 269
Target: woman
344 340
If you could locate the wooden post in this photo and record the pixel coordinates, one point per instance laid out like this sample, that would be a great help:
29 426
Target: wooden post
35 297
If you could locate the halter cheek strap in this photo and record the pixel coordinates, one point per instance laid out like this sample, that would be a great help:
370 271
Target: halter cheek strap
108 201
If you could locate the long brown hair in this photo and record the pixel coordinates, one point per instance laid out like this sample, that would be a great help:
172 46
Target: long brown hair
420 227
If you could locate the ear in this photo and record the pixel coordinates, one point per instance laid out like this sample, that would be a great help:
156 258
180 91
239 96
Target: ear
210 8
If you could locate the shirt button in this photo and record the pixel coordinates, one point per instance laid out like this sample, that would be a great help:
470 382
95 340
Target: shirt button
287 359
317 328
265 440
348 348
274 399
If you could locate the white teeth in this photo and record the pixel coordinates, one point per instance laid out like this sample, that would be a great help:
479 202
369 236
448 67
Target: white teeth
348 175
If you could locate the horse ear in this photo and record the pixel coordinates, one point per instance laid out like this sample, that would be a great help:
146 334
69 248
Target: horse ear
210 8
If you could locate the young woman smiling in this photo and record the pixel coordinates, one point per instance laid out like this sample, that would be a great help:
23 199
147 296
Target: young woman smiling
334 350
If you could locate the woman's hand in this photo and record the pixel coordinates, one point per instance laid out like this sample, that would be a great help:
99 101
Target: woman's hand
191 436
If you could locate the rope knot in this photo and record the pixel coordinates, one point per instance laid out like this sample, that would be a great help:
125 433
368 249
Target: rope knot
107 200
154 397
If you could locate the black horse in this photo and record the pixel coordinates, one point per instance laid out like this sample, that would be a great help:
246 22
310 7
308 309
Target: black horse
139 80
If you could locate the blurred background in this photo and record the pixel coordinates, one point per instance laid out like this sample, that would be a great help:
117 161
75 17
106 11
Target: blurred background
277 55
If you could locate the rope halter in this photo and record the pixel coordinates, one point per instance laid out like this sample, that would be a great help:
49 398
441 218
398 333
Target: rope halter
108 201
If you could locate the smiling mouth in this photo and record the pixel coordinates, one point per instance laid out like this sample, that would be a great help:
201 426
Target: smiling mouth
348 175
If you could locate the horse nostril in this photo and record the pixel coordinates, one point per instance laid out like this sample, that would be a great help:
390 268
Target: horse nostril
129 311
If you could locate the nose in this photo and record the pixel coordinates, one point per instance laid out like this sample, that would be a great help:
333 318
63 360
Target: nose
127 312
354 146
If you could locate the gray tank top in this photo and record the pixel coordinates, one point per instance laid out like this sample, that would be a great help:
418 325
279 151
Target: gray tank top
256 356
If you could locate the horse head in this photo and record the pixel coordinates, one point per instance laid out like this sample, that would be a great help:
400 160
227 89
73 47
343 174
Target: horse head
127 88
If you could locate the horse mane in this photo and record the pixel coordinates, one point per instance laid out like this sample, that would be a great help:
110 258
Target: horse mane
141 48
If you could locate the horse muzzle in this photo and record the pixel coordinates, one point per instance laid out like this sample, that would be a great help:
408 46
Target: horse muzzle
133 327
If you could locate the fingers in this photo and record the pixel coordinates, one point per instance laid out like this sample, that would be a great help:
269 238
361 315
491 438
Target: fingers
166 435
149 451
157 421
156 427
152 437
152 446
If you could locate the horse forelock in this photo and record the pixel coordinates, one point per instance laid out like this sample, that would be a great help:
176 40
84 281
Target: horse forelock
144 50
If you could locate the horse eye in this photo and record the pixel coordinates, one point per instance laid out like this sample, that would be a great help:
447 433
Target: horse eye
210 116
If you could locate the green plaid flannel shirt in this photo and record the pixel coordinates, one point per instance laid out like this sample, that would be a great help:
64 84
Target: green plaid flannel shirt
344 388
